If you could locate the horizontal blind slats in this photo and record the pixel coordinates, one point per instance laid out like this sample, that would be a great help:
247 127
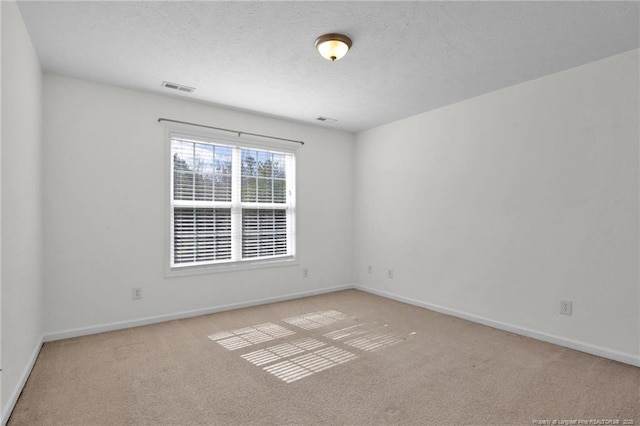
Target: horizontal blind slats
202 207
201 234
264 233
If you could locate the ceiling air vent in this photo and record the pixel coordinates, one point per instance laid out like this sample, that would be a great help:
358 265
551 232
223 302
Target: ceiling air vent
178 87
327 120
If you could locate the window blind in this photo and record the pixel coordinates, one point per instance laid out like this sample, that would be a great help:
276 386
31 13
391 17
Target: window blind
230 203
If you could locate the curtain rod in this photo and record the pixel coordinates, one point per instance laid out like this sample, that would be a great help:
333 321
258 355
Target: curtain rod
238 132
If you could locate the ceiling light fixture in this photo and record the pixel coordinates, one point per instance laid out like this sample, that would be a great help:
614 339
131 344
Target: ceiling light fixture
333 46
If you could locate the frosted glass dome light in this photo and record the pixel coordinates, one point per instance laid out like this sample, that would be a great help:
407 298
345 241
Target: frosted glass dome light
333 46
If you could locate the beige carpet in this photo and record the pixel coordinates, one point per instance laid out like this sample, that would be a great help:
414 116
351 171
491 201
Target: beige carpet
341 358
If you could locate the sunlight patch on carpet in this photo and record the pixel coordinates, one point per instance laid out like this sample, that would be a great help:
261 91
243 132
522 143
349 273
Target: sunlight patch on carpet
275 353
366 337
305 365
354 330
291 361
248 336
373 341
315 319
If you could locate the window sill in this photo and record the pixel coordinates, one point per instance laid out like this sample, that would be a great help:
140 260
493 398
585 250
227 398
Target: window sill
230 267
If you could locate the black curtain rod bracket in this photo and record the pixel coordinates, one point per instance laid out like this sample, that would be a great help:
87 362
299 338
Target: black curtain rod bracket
238 132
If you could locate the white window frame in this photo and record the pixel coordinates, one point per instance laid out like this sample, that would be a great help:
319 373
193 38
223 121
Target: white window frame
239 141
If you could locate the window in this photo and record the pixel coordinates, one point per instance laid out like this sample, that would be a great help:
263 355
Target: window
232 203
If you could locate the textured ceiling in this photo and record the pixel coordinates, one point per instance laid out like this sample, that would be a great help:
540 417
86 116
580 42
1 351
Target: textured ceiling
407 57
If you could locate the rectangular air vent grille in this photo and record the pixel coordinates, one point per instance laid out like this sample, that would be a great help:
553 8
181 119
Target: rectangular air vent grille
327 120
178 87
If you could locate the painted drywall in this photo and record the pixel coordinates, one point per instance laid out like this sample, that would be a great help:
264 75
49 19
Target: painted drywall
21 218
503 205
1 400
105 204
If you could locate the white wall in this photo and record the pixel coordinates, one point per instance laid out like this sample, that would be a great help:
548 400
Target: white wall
104 172
502 205
1 400
21 223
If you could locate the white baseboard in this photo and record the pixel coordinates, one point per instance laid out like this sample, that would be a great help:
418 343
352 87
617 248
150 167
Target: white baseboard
66 334
8 408
557 340
623 357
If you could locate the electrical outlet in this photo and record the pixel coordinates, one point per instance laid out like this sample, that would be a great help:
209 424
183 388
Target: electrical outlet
566 307
370 269
136 293
390 274
305 272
